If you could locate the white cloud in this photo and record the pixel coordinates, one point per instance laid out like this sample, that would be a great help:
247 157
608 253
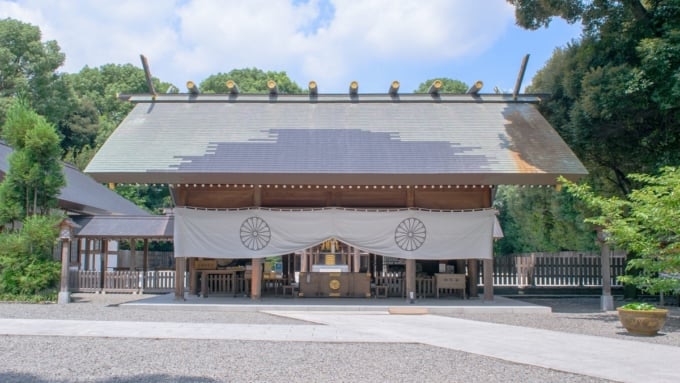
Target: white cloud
195 38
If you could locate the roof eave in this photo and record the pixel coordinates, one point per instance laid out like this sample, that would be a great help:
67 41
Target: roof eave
336 179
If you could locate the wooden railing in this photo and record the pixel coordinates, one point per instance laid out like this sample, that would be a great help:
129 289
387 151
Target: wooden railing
564 269
395 283
122 281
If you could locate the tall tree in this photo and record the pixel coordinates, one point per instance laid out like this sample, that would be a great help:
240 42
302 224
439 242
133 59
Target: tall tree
28 68
250 80
35 176
645 224
616 92
449 85
540 219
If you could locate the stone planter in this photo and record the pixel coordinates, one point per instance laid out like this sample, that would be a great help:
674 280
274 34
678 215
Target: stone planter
642 322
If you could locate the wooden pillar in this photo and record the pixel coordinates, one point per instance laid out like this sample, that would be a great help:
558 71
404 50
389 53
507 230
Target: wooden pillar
303 261
133 254
357 261
473 276
606 300
79 253
103 262
86 265
180 269
256 279
63 297
145 263
488 279
410 278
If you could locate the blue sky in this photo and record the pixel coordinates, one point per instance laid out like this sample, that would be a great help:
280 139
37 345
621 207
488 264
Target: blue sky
332 42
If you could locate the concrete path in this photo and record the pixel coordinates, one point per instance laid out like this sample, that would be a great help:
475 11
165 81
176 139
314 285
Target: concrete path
618 360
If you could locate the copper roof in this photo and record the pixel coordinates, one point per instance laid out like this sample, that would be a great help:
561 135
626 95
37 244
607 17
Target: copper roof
335 139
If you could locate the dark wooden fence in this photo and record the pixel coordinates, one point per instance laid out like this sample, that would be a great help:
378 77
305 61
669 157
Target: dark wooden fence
563 269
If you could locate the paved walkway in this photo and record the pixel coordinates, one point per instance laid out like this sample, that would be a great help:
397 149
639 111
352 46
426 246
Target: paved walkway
618 360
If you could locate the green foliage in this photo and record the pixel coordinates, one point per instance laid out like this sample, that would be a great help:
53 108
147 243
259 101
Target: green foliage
28 68
35 177
540 219
250 80
615 92
151 197
448 86
645 224
43 297
638 306
26 267
534 14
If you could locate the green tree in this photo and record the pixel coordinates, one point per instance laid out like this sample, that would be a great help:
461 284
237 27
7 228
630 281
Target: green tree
616 91
28 69
26 267
99 111
448 86
250 80
645 224
540 219
35 176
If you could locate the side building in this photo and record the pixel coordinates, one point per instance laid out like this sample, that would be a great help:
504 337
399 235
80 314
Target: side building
102 218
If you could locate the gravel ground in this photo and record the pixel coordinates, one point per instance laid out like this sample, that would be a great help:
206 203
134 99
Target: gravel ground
583 316
83 359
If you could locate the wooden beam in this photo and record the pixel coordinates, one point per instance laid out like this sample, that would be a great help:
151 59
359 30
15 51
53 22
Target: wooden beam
520 77
232 87
394 88
313 88
353 88
475 88
192 87
147 74
435 87
273 88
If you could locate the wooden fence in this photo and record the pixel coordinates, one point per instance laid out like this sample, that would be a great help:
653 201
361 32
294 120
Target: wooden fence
563 269
156 281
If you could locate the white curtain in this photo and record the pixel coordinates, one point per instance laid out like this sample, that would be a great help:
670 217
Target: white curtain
405 233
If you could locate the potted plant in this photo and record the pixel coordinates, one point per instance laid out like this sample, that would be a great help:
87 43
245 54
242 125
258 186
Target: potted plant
644 223
642 318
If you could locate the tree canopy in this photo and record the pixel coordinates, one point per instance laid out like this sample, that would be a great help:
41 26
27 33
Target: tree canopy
35 176
645 224
449 85
250 80
28 69
616 91
614 99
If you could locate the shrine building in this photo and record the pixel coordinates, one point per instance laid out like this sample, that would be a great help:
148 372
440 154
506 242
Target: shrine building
343 189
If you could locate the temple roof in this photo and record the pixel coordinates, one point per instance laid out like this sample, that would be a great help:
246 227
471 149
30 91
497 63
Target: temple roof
82 194
335 139
116 227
